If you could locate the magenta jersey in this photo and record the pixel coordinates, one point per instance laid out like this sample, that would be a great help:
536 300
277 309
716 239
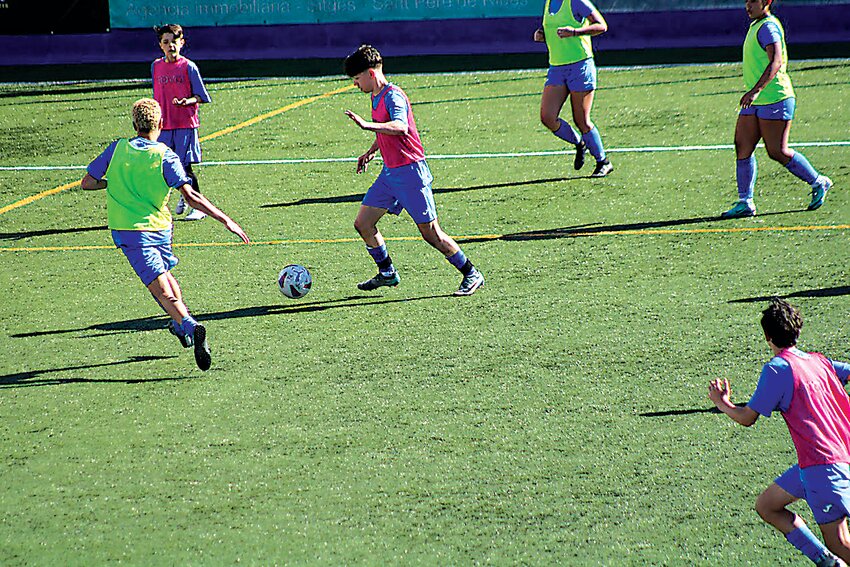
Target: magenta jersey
819 415
170 81
397 151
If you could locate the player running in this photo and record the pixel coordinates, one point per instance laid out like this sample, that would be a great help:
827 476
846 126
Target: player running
767 110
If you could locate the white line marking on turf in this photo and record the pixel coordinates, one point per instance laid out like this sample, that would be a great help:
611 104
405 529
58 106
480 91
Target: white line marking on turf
494 155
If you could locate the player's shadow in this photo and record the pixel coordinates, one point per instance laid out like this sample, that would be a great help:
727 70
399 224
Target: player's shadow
356 198
820 292
160 322
36 377
49 232
685 411
597 228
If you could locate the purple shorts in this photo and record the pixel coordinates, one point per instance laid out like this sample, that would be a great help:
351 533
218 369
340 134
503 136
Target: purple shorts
184 142
782 110
149 252
407 187
577 77
826 489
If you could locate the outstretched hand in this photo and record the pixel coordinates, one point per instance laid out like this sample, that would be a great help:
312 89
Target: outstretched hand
231 225
356 118
719 392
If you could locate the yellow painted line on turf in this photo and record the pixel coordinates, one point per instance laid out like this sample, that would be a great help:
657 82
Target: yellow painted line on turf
528 235
223 132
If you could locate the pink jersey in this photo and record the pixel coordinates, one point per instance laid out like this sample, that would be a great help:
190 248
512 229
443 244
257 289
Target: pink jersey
819 415
397 151
170 81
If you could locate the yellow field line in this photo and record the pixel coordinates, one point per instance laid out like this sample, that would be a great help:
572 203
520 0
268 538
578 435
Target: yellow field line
223 132
529 235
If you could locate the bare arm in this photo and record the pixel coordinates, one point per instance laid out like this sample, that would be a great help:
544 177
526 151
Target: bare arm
198 201
89 183
392 128
719 392
363 160
774 55
596 25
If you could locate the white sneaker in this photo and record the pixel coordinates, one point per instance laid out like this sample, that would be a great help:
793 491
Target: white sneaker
181 206
195 214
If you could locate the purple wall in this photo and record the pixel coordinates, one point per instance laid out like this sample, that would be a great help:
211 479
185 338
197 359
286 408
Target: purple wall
645 30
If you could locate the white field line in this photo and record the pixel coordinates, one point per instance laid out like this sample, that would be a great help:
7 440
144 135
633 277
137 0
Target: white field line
494 155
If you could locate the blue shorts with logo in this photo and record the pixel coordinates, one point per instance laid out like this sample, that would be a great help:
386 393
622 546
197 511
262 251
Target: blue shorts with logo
149 252
577 77
826 488
406 187
782 110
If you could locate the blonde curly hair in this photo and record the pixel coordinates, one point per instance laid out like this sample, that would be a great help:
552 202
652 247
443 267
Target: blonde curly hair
146 115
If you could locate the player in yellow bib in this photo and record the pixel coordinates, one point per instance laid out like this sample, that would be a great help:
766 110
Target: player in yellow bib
767 110
138 175
567 28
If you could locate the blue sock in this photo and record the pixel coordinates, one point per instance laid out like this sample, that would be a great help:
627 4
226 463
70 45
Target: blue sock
594 144
566 133
801 167
382 259
189 325
804 540
745 172
460 261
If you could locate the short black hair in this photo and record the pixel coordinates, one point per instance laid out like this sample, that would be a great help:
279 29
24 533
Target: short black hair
174 29
782 323
366 57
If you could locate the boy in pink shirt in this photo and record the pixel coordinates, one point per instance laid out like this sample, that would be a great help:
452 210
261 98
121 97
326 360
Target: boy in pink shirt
808 390
179 89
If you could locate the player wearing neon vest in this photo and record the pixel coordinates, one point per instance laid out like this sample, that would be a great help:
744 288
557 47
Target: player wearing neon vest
808 389
767 109
404 181
179 90
138 175
567 28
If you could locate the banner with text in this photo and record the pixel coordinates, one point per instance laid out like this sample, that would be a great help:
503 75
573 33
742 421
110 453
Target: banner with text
190 13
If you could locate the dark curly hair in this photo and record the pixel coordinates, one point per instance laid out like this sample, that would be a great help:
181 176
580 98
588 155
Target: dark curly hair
782 323
366 57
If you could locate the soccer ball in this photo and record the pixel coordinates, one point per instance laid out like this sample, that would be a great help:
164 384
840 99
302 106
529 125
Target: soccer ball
294 281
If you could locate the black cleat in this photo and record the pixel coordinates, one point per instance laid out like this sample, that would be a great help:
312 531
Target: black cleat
603 168
202 347
581 149
185 340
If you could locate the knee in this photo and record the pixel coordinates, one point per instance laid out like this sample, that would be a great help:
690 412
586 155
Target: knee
764 508
363 228
584 125
550 120
782 155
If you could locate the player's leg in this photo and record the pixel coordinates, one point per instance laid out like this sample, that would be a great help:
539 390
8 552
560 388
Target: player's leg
366 225
167 291
772 507
582 103
194 214
434 235
837 538
747 136
776 134
555 94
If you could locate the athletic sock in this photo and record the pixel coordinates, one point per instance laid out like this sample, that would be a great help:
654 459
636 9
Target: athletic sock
382 259
745 173
805 541
566 133
461 262
801 167
594 144
188 324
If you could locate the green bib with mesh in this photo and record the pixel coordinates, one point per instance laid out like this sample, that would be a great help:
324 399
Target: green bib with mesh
756 61
136 193
563 51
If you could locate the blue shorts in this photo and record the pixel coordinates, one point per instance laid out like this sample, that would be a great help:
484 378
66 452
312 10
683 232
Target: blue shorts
782 110
184 142
578 77
826 488
407 187
149 252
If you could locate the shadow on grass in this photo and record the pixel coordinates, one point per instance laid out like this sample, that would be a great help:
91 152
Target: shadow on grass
26 379
160 322
356 198
49 232
686 411
822 292
596 228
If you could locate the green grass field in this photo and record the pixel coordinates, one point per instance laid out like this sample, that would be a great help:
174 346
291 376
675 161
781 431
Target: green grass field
558 416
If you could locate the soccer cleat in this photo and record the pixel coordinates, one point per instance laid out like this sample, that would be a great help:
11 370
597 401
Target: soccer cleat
185 340
471 282
181 206
202 347
741 210
380 280
195 214
603 168
581 148
829 560
819 189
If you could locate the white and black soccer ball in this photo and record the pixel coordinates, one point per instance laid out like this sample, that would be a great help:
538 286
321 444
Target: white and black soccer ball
294 281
